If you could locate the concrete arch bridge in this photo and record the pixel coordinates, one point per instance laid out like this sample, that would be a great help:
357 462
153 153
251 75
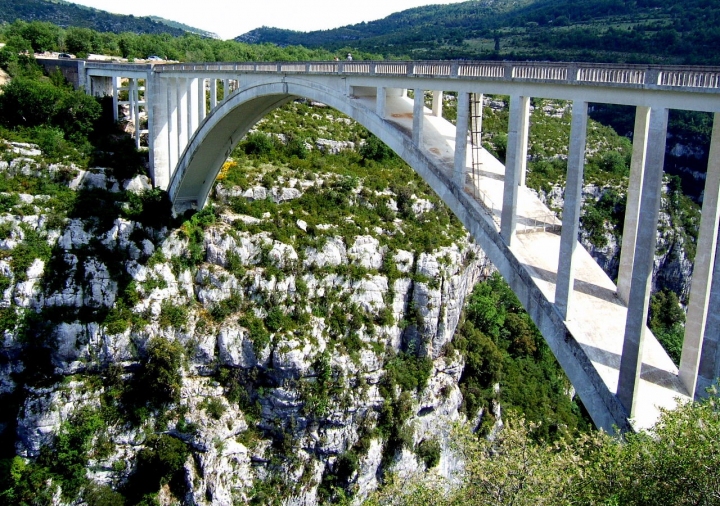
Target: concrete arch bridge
595 329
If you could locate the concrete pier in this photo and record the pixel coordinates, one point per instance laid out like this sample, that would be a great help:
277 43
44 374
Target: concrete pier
571 210
635 326
516 159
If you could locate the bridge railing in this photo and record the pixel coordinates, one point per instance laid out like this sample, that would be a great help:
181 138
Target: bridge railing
667 76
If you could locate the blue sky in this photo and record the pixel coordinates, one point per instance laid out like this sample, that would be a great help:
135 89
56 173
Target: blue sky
232 18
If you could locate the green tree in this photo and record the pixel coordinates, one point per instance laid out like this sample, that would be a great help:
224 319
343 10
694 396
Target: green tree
81 41
666 319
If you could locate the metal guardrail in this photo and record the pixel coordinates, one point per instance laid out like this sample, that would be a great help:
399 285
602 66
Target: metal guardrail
637 76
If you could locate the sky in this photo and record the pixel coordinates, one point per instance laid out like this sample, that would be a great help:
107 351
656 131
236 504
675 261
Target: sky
231 18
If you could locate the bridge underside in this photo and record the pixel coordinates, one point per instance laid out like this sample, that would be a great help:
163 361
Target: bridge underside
589 352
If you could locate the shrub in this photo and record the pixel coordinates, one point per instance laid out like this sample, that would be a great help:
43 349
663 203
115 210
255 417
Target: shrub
172 315
159 463
429 452
376 150
258 144
159 380
215 408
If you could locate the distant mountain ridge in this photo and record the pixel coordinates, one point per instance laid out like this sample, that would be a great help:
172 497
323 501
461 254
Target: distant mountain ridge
647 31
67 14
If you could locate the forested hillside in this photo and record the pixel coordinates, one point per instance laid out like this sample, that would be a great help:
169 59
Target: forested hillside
650 31
40 36
67 14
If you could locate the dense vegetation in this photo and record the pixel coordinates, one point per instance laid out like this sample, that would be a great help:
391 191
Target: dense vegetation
591 30
674 463
39 36
67 14
507 361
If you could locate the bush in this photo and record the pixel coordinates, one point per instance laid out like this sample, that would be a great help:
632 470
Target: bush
429 452
159 380
258 144
376 150
215 408
159 463
31 103
172 315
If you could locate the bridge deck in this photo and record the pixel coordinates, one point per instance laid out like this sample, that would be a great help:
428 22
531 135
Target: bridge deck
597 315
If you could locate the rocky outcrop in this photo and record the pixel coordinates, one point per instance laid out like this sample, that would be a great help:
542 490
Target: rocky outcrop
310 376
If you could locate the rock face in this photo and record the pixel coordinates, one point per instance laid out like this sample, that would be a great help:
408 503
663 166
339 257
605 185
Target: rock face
285 344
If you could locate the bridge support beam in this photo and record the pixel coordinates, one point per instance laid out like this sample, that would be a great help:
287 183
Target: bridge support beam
703 270
381 102
709 370
631 359
418 117
115 97
632 208
193 108
461 139
159 133
173 122
202 106
515 160
182 107
213 94
571 209
226 89
437 103
136 112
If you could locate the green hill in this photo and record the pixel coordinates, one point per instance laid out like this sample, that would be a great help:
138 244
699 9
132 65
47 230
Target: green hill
659 31
67 14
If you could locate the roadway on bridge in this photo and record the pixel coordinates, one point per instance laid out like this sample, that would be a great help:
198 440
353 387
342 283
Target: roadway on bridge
597 316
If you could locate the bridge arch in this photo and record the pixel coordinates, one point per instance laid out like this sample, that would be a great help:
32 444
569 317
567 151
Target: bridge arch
221 131
202 159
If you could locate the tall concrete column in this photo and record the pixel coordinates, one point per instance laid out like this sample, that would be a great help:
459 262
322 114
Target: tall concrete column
159 133
461 139
525 135
703 270
226 89
173 122
193 110
182 106
632 208
115 97
437 103
131 100
709 370
418 117
202 106
514 162
571 209
381 102
635 326
213 93
135 108
148 98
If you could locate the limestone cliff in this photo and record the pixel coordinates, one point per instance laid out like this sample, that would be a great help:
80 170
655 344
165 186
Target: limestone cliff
309 365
